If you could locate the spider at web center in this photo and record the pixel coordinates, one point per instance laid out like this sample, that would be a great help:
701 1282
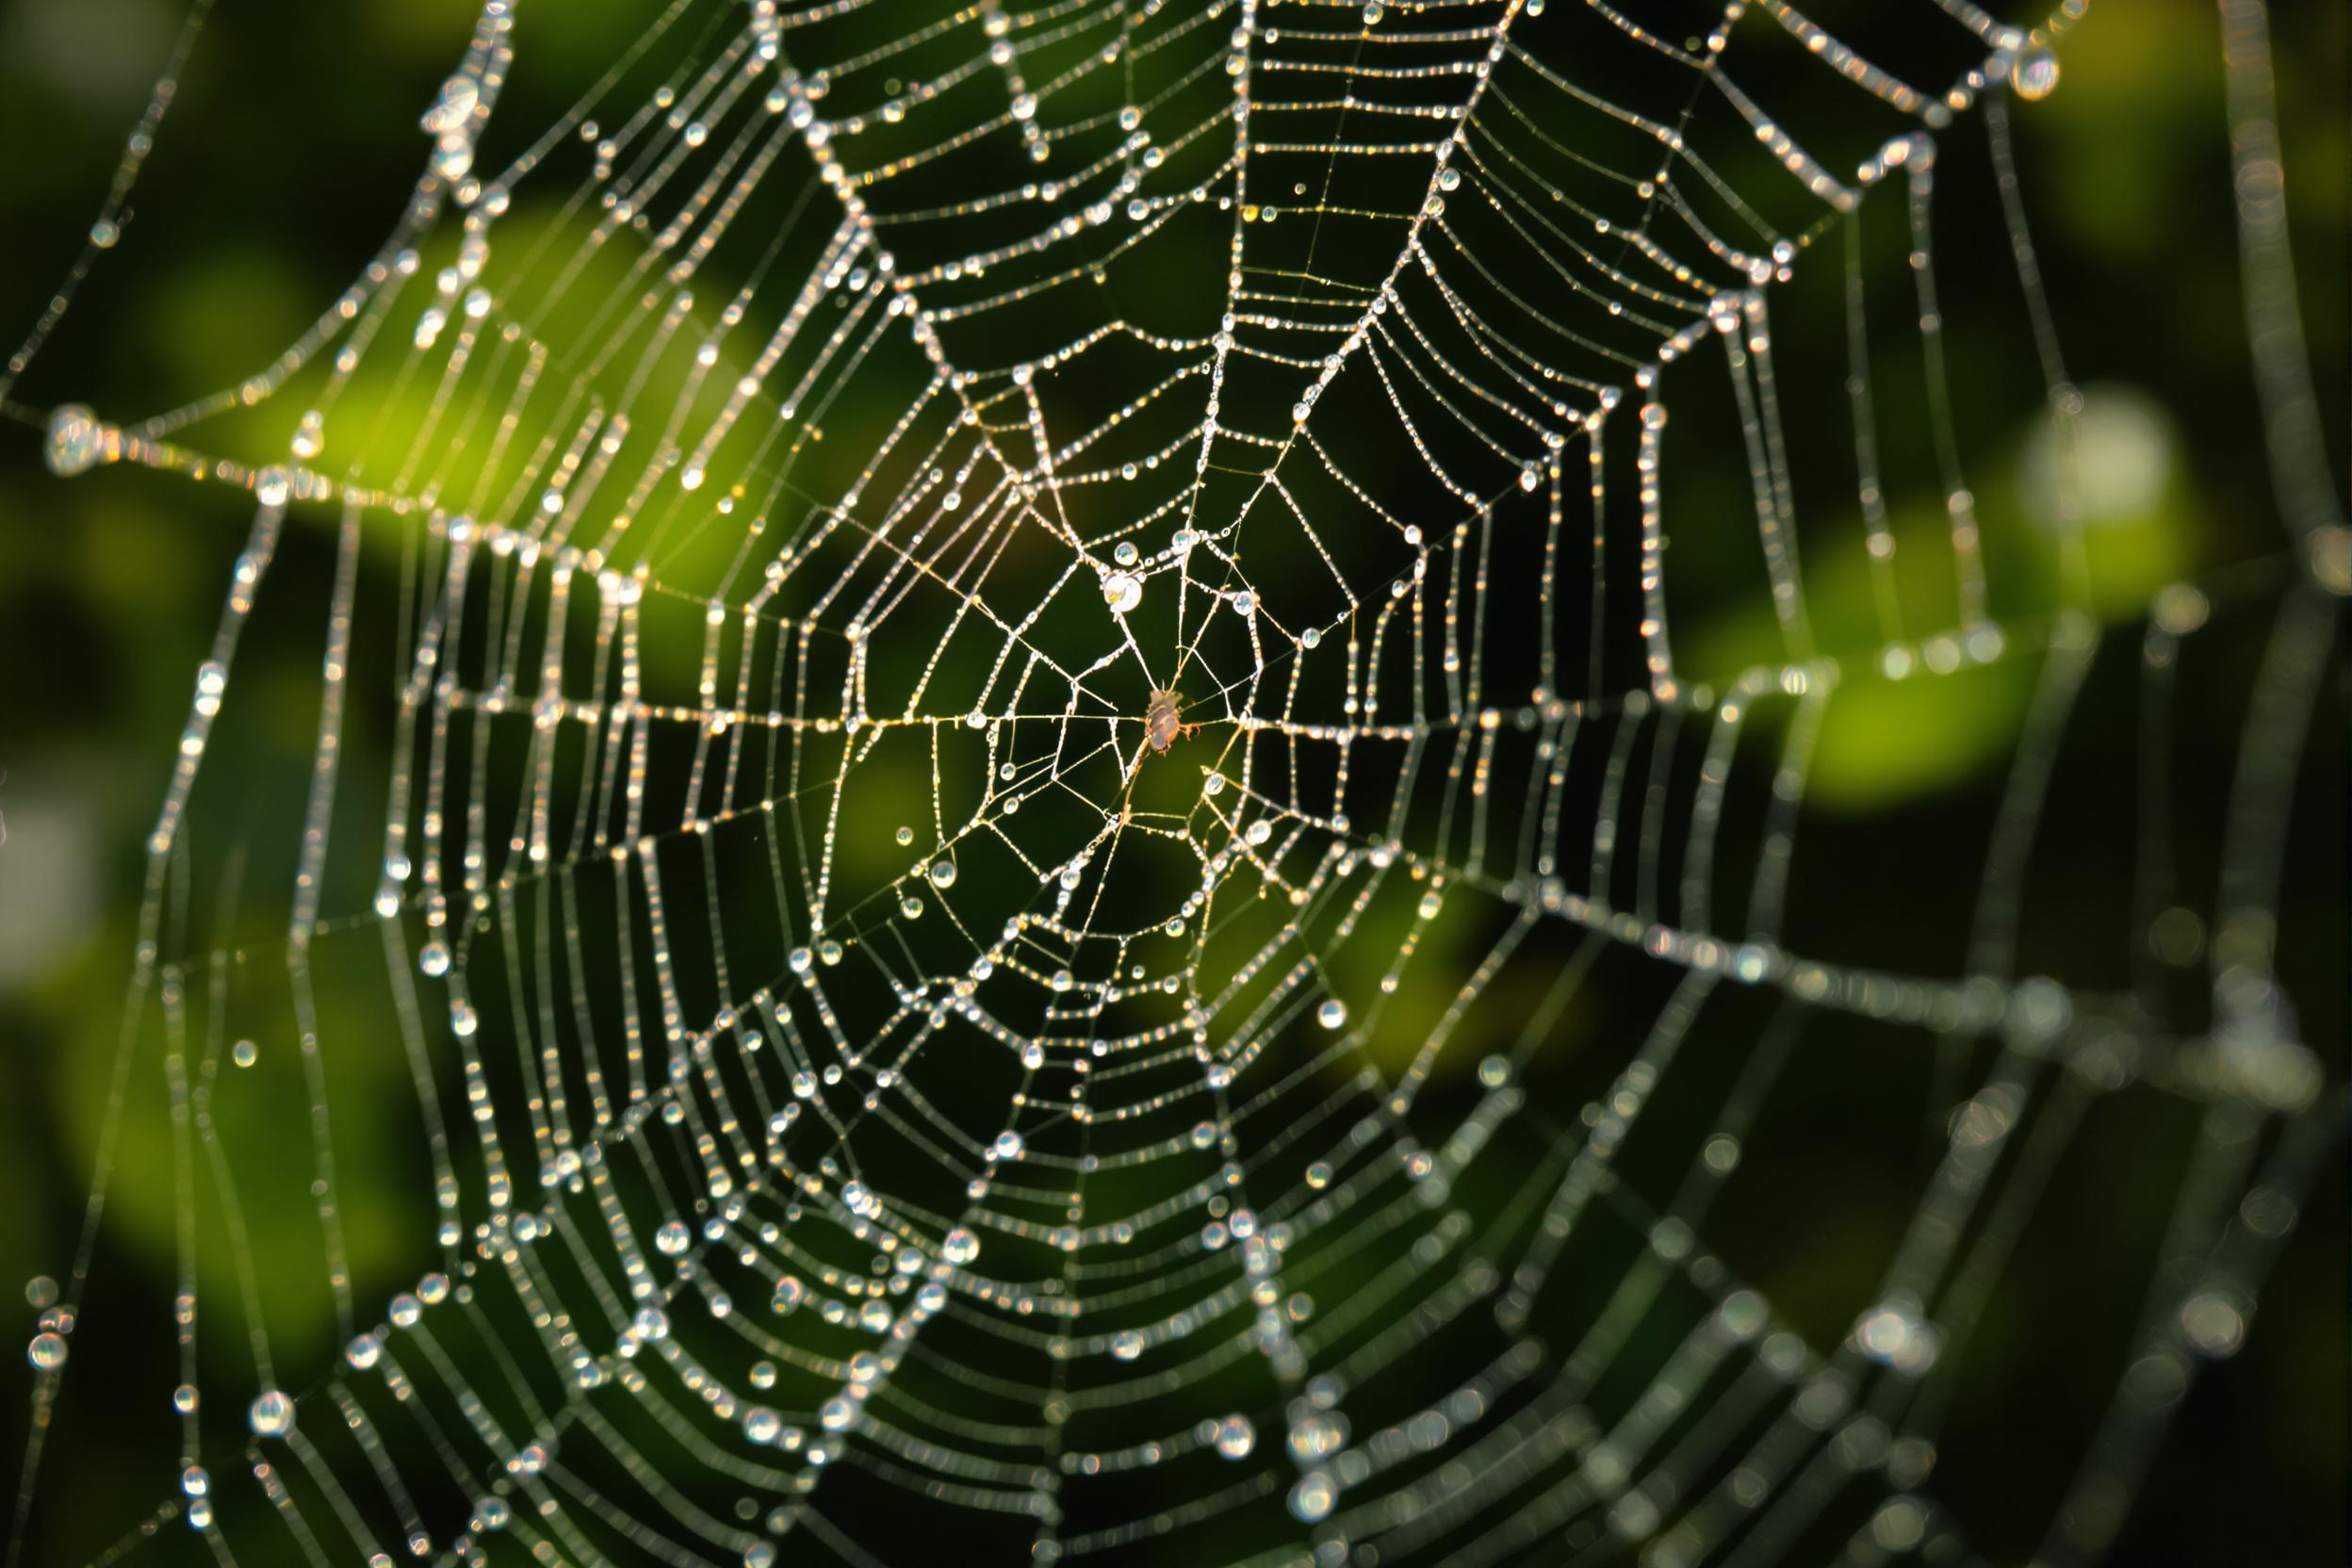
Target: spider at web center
1162 728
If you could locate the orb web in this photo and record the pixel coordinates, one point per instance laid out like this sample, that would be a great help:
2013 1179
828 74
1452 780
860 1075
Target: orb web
1014 822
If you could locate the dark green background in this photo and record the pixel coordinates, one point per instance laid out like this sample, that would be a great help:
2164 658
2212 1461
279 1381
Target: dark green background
277 173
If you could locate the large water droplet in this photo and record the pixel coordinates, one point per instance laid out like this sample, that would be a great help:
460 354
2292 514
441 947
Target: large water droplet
1311 1500
450 111
272 1415
78 440
2036 73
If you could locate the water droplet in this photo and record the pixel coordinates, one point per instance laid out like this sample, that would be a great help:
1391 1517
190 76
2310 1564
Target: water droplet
272 1415
672 1239
1894 1334
455 105
1235 1437
47 1351
1332 1014
244 1053
942 874
1318 1437
2036 73
1122 592
2213 1324
434 958
1127 1344
40 1292
78 441
272 485
960 1246
1311 1500
762 1425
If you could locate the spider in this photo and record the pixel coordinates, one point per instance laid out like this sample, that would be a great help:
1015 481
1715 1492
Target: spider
1161 726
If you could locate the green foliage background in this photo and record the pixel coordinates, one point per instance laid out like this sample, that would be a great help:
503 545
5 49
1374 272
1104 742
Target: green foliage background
275 175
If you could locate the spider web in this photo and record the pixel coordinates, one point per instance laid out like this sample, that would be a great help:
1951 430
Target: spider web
852 1075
